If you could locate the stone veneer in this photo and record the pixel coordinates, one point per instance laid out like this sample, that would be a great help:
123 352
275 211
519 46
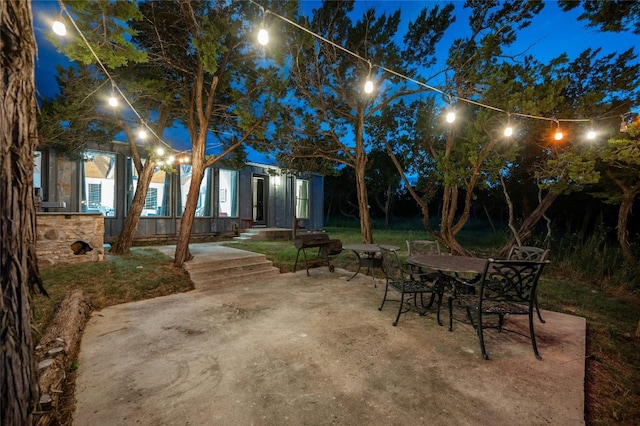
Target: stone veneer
56 232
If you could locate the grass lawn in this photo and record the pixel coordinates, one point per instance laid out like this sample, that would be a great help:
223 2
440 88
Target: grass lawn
613 351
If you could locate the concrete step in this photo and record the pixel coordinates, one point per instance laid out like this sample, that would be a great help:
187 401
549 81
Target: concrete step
223 262
239 266
231 270
220 280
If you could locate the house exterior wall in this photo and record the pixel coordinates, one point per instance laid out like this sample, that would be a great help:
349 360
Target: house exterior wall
62 181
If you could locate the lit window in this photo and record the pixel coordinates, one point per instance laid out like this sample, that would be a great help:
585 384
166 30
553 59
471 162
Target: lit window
159 203
99 182
228 198
203 208
302 199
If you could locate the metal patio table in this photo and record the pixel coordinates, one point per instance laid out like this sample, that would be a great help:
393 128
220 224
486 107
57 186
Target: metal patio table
369 256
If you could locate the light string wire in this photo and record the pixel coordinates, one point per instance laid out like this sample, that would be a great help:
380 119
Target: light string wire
420 83
110 78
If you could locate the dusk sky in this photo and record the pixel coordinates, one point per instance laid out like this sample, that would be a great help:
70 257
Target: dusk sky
552 33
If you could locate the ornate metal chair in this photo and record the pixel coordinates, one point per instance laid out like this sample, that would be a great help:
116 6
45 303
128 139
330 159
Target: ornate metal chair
506 287
409 284
529 253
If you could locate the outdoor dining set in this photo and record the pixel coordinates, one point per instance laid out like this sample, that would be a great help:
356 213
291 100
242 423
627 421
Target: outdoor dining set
488 291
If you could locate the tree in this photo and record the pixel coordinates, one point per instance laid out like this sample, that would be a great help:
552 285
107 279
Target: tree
333 110
226 89
611 15
79 115
20 275
620 159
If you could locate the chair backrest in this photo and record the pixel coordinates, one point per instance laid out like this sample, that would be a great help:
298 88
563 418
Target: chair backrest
423 247
511 281
527 253
391 264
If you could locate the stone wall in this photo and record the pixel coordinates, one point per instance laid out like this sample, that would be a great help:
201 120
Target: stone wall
57 232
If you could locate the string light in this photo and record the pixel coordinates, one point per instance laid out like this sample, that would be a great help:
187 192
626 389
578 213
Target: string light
263 34
59 28
508 131
142 134
450 116
368 85
591 135
558 135
113 101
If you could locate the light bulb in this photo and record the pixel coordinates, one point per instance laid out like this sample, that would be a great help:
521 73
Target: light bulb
368 86
159 151
558 136
142 134
171 159
508 131
113 101
263 36
59 28
451 117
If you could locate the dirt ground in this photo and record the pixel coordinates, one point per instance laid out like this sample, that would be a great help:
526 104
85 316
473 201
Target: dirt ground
298 350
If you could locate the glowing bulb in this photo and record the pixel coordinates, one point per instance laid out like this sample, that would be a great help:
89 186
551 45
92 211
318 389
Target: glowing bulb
159 151
558 136
171 159
368 86
59 28
591 135
451 117
263 36
142 134
508 131
113 101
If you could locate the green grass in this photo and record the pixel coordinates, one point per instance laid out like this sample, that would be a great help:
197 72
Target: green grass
141 274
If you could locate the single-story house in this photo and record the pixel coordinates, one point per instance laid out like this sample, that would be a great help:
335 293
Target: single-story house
103 181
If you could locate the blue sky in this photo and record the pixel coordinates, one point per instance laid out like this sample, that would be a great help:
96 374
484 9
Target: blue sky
552 33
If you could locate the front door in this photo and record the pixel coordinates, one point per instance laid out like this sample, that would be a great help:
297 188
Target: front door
259 190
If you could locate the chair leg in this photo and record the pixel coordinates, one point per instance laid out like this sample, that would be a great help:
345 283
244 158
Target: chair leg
533 336
438 312
479 330
400 309
450 303
538 311
384 298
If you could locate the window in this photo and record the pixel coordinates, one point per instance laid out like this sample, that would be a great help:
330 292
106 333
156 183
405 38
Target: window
302 199
158 199
95 195
151 201
228 199
98 182
203 208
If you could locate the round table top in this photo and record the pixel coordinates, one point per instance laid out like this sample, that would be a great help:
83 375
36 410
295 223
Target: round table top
448 263
367 248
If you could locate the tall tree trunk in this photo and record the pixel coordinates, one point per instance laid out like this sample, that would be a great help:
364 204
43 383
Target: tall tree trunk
125 239
182 245
363 206
20 275
628 197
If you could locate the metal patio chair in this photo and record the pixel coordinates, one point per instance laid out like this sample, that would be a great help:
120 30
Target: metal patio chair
506 287
529 253
409 284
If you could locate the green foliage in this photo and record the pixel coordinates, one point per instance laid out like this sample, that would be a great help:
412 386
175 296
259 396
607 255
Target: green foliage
611 15
106 25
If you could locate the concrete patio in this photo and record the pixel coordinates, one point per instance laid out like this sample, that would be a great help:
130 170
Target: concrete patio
298 350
